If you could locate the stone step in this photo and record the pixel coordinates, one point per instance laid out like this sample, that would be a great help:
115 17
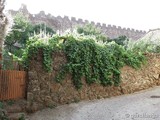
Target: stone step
17 116
14 109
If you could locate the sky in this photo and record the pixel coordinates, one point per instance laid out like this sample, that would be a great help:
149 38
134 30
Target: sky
137 14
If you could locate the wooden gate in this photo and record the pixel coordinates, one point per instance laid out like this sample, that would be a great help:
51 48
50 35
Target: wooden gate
12 84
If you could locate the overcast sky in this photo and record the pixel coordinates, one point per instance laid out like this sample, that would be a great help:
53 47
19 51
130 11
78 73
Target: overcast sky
137 14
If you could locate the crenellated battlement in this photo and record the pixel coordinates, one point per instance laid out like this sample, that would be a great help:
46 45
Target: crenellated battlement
64 23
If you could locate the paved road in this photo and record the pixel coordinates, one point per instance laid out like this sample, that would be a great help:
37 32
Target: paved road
137 106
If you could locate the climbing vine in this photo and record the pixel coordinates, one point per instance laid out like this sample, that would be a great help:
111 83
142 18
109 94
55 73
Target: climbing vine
33 47
98 63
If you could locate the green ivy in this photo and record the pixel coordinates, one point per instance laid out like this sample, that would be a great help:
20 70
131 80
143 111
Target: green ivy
98 63
47 58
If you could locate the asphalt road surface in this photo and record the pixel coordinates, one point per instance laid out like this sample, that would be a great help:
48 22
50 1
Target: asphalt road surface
144 105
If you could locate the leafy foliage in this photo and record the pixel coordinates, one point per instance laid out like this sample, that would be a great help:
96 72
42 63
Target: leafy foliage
121 40
149 43
18 36
22 29
33 46
16 39
7 61
98 63
90 30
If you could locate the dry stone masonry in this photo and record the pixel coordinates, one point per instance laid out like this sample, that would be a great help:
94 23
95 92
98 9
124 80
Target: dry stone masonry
44 91
62 24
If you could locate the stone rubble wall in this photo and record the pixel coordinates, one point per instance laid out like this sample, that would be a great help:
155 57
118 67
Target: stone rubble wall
43 90
65 23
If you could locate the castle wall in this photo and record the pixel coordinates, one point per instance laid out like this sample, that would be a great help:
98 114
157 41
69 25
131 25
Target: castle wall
64 23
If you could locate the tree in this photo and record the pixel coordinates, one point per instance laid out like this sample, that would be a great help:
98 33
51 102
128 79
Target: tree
22 29
19 34
3 23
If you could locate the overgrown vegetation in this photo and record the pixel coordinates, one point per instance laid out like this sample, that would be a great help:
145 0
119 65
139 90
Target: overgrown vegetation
150 43
91 30
16 40
98 63
121 40
22 29
89 53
